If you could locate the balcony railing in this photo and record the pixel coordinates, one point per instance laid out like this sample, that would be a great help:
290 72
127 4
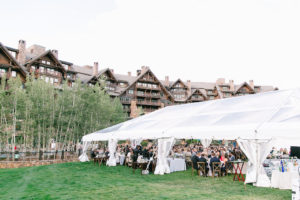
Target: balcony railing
148 95
147 88
151 103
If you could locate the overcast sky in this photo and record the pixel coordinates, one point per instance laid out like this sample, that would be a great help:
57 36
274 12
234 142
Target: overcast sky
198 40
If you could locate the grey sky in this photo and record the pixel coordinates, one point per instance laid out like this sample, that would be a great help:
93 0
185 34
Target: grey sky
200 40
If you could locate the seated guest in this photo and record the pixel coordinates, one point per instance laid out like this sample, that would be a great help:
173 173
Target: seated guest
93 154
213 159
195 159
194 152
203 159
231 157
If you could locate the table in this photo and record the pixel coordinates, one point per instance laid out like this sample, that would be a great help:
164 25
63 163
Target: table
238 170
283 180
176 164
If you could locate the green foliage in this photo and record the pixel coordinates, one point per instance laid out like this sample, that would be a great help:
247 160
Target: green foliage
42 112
88 181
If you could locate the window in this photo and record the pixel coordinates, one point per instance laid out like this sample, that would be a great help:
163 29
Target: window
123 84
130 91
48 62
225 88
55 80
211 97
42 69
47 79
51 80
140 93
13 73
43 61
65 66
227 94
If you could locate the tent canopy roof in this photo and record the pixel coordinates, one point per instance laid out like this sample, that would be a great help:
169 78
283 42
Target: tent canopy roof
273 114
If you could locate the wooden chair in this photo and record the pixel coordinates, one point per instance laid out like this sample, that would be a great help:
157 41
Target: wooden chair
202 168
216 168
134 166
96 160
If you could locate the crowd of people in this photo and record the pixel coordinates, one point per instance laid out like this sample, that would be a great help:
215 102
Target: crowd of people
192 153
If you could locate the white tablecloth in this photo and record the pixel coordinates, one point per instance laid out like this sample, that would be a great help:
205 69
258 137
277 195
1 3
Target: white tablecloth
283 180
122 159
176 164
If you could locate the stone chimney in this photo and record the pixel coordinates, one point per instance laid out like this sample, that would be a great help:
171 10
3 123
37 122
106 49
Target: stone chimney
220 81
95 69
138 72
251 83
55 53
231 84
21 57
129 73
167 80
189 84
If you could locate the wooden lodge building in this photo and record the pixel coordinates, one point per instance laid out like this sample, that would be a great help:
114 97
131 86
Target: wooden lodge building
140 92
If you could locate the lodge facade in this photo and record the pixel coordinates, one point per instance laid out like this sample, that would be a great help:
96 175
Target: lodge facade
139 93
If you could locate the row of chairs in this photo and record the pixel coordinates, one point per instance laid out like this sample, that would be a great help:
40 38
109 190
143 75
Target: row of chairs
216 169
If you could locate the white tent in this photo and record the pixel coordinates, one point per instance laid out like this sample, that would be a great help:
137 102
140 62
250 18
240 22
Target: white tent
270 116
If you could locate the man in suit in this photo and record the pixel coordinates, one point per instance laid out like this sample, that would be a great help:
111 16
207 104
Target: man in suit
203 159
213 159
195 159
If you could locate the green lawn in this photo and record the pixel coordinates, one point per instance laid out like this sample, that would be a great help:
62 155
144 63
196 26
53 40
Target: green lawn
86 181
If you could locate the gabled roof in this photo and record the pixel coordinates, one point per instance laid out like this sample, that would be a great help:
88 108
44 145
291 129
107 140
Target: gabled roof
22 69
178 80
202 91
49 53
242 85
100 73
141 75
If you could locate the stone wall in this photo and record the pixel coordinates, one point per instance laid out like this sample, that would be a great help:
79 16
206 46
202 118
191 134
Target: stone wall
18 164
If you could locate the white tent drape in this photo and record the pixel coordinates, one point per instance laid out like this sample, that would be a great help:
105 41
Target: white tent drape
83 157
206 142
135 142
164 147
256 152
112 146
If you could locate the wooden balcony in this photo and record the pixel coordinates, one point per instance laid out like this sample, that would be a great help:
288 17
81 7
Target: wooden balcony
147 88
149 103
125 100
197 98
150 95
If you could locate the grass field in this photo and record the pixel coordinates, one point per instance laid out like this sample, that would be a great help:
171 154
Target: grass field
86 181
